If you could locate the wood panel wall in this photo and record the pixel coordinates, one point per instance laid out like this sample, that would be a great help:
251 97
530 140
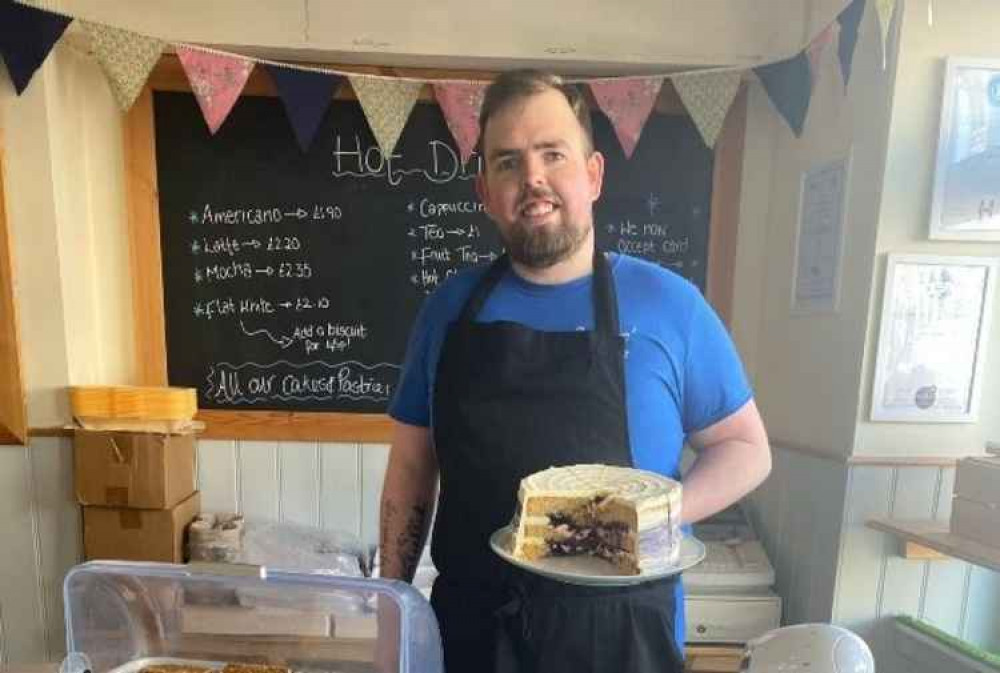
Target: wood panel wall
811 514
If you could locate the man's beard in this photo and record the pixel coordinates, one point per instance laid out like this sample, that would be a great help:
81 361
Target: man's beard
541 247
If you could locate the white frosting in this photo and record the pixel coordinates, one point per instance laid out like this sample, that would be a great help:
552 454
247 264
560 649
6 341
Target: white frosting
656 499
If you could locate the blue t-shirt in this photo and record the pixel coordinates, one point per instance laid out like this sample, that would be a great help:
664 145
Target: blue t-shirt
682 372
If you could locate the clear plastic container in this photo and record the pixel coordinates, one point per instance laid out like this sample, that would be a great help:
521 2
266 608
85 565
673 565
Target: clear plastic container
124 617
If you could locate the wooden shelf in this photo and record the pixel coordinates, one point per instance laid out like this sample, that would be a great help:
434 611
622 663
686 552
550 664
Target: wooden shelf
935 535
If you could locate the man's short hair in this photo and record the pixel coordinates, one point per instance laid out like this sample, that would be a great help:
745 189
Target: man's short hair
517 85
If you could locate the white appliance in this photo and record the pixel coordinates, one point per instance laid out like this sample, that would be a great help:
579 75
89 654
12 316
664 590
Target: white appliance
729 596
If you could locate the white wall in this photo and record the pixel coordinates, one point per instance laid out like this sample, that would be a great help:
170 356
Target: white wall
961 28
579 35
806 367
830 566
331 486
40 529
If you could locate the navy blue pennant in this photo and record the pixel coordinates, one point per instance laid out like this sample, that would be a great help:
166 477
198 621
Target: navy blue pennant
789 84
306 95
850 22
27 35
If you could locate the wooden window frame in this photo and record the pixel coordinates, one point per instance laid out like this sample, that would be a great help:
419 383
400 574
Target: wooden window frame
146 260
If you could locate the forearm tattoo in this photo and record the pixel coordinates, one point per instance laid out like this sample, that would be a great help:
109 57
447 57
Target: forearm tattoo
401 536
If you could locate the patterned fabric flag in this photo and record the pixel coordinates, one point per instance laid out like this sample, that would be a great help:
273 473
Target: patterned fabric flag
850 22
27 35
885 9
708 98
126 58
818 46
460 103
789 85
306 95
216 79
387 104
627 103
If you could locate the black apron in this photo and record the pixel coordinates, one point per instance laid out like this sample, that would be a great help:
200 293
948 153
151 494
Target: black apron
510 401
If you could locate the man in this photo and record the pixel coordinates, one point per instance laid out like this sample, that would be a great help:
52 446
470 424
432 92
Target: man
557 354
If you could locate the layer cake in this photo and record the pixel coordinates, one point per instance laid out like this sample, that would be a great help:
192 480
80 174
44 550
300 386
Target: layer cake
626 516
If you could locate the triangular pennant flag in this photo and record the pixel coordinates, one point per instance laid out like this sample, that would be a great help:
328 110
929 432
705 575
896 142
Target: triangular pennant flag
885 8
387 104
27 35
708 98
818 46
789 85
850 22
126 58
306 95
627 103
460 103
216 80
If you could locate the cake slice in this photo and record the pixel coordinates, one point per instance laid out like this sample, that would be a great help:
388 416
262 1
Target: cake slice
628 517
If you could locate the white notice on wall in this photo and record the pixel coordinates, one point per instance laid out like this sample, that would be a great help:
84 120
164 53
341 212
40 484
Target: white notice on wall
820 238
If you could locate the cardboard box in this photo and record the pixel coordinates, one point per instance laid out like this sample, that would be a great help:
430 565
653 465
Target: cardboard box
138 534
132 469
978 479
976 521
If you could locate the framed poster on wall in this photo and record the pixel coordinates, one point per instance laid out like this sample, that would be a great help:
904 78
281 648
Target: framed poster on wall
966 200
820 238
935 323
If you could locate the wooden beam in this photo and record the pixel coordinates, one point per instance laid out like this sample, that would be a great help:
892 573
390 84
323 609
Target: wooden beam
296 426
13 408
727 179
143 204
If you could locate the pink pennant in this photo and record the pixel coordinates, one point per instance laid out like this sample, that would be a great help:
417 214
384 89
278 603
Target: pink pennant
460 103
627 103
819 43
216 79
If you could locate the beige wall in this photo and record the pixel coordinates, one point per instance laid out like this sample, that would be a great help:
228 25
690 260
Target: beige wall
806 367
963 28
66 216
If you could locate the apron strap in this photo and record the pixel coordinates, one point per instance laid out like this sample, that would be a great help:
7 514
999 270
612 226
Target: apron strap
483 289
604 295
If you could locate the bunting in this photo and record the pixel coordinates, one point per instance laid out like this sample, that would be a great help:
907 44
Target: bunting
789 85
850 23
216 79
460 102
627 103
818 46
708 98
306 95
387 104
126 58
885 9
27 35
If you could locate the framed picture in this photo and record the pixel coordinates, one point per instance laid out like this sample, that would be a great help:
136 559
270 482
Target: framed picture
935 325
966 202
819 245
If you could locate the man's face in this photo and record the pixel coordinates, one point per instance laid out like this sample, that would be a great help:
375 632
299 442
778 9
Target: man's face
539 184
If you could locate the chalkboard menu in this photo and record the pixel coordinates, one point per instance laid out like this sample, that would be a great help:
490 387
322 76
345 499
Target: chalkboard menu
291 279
